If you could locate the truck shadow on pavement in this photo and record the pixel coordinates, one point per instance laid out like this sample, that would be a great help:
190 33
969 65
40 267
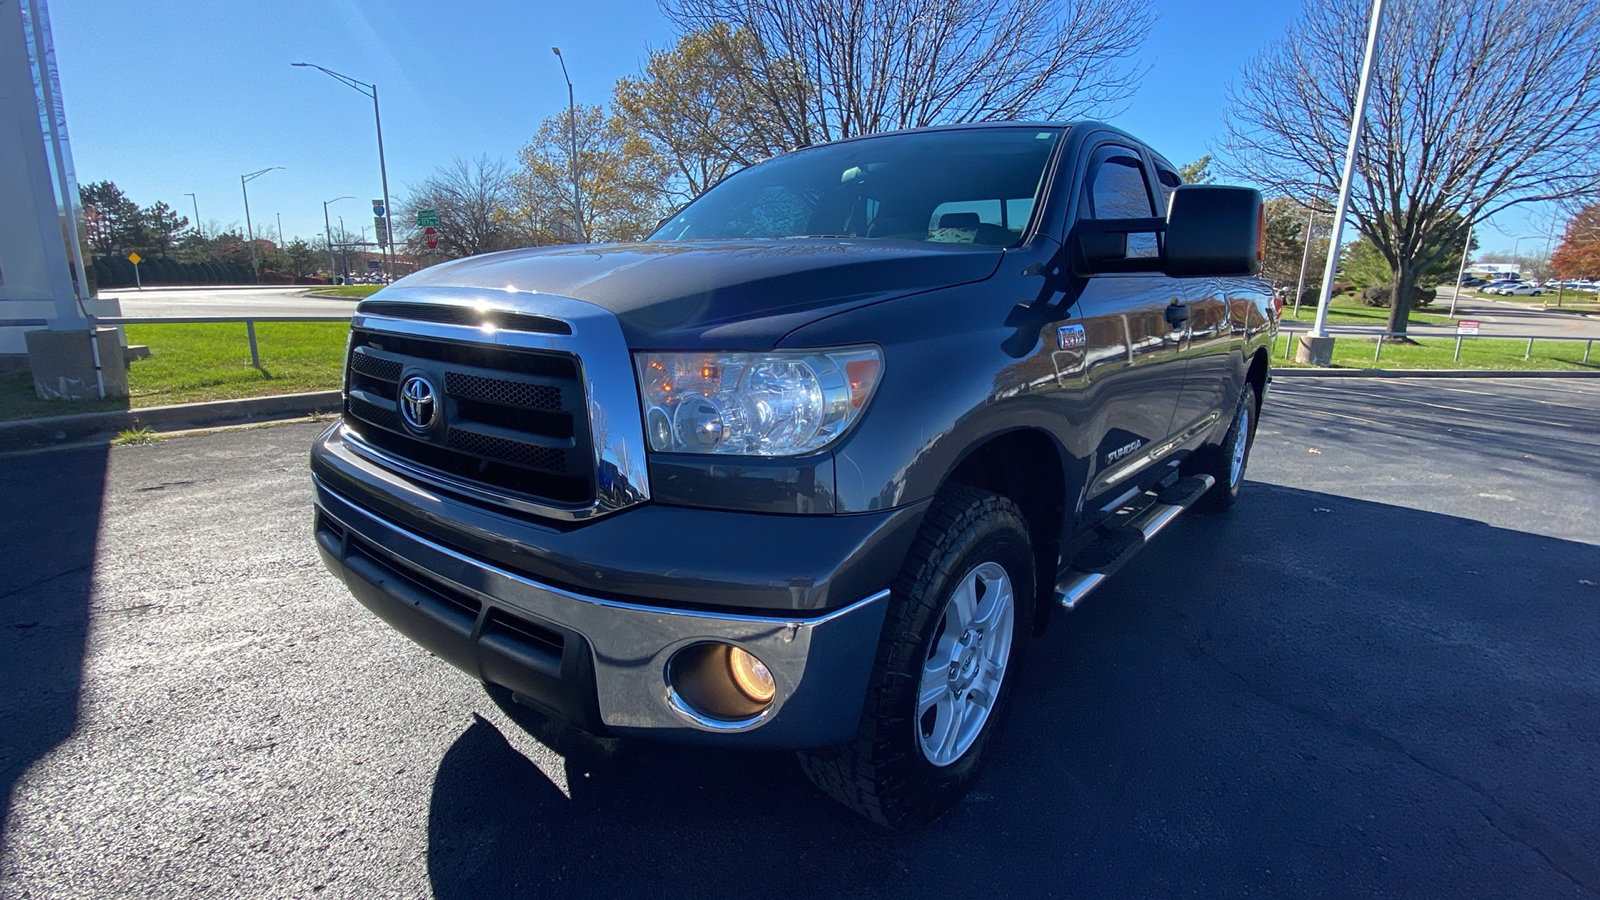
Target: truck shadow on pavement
49 523
1314 695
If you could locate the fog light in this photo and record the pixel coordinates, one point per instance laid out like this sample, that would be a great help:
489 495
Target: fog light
751 676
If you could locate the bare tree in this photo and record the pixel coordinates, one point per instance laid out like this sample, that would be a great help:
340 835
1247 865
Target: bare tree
474 199
1476 106
818 70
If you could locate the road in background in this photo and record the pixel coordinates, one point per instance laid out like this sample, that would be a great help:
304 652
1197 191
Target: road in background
1518 318
1375 677
228 301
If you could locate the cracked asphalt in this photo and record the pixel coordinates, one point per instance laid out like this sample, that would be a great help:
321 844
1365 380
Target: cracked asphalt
1378 676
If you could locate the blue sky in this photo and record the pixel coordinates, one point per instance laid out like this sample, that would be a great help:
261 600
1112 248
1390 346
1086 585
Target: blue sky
186 95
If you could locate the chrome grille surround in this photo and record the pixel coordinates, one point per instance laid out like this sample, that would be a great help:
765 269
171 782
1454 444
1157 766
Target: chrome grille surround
614 424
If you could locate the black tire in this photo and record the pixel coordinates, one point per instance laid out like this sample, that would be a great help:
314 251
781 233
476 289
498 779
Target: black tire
1218 461
884 773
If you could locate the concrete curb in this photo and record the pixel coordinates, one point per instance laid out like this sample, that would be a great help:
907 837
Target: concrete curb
1430 373
27 434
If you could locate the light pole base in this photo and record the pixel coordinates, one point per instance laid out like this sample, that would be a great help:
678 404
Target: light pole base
63 364
1317 351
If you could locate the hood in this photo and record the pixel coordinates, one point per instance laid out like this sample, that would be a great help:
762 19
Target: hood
712 295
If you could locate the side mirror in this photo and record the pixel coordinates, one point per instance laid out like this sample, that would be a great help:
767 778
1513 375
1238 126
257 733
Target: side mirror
1214 230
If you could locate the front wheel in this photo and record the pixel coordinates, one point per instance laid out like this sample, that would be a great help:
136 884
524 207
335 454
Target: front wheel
958 621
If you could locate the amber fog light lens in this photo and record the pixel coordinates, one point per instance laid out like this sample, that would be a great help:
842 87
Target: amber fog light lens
751 676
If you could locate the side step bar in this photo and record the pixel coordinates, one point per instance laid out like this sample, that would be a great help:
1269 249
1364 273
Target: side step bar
1076 583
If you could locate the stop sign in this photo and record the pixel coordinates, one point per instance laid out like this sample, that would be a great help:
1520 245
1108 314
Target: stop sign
431 235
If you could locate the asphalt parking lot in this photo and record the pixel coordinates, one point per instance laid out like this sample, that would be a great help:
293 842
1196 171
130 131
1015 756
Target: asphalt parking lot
1378 676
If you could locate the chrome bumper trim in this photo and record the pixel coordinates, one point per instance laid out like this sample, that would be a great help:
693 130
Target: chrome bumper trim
821 664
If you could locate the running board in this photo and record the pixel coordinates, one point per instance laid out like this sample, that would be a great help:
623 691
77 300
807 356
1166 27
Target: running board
1075 584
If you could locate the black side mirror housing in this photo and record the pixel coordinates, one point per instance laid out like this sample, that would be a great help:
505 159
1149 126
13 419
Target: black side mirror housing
1213 230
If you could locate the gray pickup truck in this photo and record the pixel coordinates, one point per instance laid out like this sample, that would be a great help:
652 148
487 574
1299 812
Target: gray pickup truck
811 466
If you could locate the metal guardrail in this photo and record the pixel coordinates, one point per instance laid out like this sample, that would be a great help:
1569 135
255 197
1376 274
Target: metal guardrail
1378 353
248 321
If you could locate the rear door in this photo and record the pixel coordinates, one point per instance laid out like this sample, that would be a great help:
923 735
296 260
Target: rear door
1133 370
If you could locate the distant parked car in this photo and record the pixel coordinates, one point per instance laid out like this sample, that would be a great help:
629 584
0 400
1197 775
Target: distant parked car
1472 281
1519 289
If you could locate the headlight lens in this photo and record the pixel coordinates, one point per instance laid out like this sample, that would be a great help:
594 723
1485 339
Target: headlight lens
782 403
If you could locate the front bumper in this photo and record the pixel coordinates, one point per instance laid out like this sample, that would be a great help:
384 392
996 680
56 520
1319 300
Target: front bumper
599 663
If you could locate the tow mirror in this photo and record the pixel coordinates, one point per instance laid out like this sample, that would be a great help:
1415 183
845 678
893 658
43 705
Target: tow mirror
1214 230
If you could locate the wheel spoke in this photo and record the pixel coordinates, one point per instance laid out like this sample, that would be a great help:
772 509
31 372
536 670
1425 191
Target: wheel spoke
932 692
949 745
963 604
997 601
944 725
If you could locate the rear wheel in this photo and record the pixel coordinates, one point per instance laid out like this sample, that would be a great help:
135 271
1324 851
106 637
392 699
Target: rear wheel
1226 464
953 637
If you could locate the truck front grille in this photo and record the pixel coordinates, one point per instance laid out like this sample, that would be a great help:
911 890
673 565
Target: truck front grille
509 419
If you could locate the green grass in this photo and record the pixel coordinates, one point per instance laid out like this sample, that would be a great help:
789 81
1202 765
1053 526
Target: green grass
1345 309
1351 352
133 436
193 363
347 290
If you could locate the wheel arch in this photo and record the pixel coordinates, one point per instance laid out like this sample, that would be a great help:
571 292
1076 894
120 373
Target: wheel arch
1257 375
1029 467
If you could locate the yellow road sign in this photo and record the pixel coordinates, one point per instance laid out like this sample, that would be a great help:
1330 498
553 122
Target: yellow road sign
134 258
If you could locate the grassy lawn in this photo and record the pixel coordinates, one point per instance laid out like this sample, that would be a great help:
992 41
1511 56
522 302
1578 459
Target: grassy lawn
347 290
1345 309
192 363
1436 353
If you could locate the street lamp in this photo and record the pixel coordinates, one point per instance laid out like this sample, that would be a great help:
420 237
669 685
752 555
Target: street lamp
371 90
572 157
250 231
196 215
1461 272
327 229
1317 347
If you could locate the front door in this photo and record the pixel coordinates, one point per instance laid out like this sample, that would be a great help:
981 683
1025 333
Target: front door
1132 369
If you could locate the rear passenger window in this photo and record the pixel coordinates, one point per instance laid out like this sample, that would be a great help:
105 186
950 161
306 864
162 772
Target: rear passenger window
1168 182
1117 190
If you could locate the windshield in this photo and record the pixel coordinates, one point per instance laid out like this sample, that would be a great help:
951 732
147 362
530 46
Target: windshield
971 186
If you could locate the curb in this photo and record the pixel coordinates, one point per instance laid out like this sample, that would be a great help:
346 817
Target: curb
27 434
1430 373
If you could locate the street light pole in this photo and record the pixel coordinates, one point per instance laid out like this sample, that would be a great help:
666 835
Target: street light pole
572 156
1305 259
1319 331
371 90
280 231
327 229
197 229
250 231
1465 249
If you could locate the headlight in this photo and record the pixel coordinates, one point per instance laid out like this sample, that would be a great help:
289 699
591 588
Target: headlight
783 403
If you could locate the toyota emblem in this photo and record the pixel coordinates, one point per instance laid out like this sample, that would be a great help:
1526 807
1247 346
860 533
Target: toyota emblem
418 403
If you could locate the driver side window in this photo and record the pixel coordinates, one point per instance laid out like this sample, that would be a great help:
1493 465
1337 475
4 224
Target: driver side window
1117 189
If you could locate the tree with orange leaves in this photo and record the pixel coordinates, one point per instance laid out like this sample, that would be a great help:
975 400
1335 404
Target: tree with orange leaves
1579 253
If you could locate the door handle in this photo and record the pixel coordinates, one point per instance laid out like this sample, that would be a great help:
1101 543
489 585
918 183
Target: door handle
1176 314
